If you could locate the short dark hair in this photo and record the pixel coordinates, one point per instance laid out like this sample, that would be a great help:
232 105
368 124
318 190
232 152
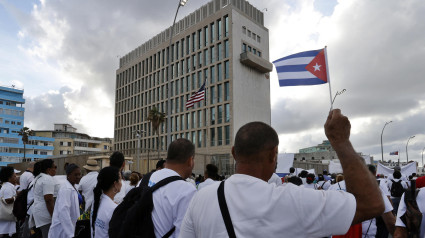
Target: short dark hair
212 171
160 164
70 168
255 137
397 174
6 173
372 168
291 170
37 168
116 159
295 180
180 150
46 164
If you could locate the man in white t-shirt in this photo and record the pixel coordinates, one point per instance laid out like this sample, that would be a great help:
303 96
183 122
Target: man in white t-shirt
26 177
88 182
259 209
171 201
210 176
401 230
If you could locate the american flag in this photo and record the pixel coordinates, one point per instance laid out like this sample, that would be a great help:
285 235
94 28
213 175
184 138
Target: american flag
197 97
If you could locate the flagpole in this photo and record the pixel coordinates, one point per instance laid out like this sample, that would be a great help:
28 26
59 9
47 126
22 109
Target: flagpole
328 76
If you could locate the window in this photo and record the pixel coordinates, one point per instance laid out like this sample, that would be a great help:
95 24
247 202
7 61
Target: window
249 33
220 114
243 47
244 30
206 36
199 118
226 91
193 42
249 48
219 51
219 73
226 26
193 137
212 95
227 134
199 39
212 115
199 138
219 136
212 32
258 39
226 49
219 93
227 112
219 29
212 74
212 137
212 50
226 70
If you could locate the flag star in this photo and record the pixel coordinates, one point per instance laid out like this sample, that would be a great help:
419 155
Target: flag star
317 67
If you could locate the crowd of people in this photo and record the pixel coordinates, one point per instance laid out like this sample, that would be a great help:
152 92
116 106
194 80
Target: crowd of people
253 202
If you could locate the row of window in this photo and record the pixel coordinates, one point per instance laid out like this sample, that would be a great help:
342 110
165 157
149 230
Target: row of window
8 103
185 46
246 47
10 122
251 34
178 87
11 112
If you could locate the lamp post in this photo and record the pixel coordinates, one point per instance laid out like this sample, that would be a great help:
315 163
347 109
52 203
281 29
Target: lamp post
382 148
423 167
138 134
407 155
181 4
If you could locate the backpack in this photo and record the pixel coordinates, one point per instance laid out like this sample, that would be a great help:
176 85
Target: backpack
397 189
133 217
20 206
412 218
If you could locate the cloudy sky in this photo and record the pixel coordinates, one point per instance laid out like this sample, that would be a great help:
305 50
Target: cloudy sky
65 53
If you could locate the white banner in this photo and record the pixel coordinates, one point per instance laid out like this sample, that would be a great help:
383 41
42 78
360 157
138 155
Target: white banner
335 167
406 170
284 162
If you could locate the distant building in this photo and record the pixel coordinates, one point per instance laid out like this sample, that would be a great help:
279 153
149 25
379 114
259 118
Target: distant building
69 142
11 122
225 44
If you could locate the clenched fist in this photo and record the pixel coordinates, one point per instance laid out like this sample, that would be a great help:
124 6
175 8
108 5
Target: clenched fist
337 127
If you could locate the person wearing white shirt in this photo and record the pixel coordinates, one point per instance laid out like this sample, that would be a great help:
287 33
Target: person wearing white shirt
44 202
29 221
259 209
108 185
396 179
88 182
26 177
401 230
309 182
171 201
67 205
275 179
210 176
323 184
7 195
117 160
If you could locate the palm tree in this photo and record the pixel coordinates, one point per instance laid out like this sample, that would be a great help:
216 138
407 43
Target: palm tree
25 132
156 118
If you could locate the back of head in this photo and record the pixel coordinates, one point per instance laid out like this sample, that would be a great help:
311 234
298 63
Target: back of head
325 172
5 174
303 174
339 178
292 170
397 174
126 175
310 178
37 168
160 164
70 168
211 171
321 177
295 180
116 160
46 164
253 138
180 151
134 179
372 168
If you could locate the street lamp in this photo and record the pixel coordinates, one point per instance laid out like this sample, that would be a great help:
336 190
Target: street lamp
423 167
407 155
382 148
181 4
138 134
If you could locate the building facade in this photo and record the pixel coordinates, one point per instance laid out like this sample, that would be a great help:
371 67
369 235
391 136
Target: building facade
67 141
12 115
224 44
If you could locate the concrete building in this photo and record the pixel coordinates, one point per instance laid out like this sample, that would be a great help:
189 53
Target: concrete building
11 122
67 141
320 152
225 44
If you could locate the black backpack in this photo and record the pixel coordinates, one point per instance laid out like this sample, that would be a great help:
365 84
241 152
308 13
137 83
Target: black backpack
133 217
20 208
412 218
397 189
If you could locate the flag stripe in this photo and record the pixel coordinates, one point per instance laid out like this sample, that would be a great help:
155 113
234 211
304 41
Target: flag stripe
311 53
291 68
303 81
294 61
295 75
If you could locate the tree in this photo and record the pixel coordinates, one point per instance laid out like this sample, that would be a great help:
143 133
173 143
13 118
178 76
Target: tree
25 132
156 118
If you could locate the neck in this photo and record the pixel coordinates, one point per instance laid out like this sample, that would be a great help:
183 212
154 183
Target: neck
110 193
253 169
178 168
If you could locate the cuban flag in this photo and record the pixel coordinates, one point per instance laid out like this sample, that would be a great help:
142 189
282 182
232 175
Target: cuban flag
394 153
305 68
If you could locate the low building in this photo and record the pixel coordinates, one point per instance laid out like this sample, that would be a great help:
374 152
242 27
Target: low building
67 141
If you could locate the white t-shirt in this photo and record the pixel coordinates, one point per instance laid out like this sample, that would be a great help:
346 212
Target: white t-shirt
326 185
420 200
119 197
44 185
25 179
338 186
170 202
7 191
275 179
86 186
383 185
207 182
259 209
371 224
309 185
104 215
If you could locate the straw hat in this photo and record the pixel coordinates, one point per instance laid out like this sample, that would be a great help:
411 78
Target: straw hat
91 165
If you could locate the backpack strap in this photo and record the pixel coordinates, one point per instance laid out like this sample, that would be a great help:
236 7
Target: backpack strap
339 186
163 183
225 211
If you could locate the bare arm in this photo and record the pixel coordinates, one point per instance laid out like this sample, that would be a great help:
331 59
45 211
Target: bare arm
400 232
389 220
50 203
359 181
9 200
